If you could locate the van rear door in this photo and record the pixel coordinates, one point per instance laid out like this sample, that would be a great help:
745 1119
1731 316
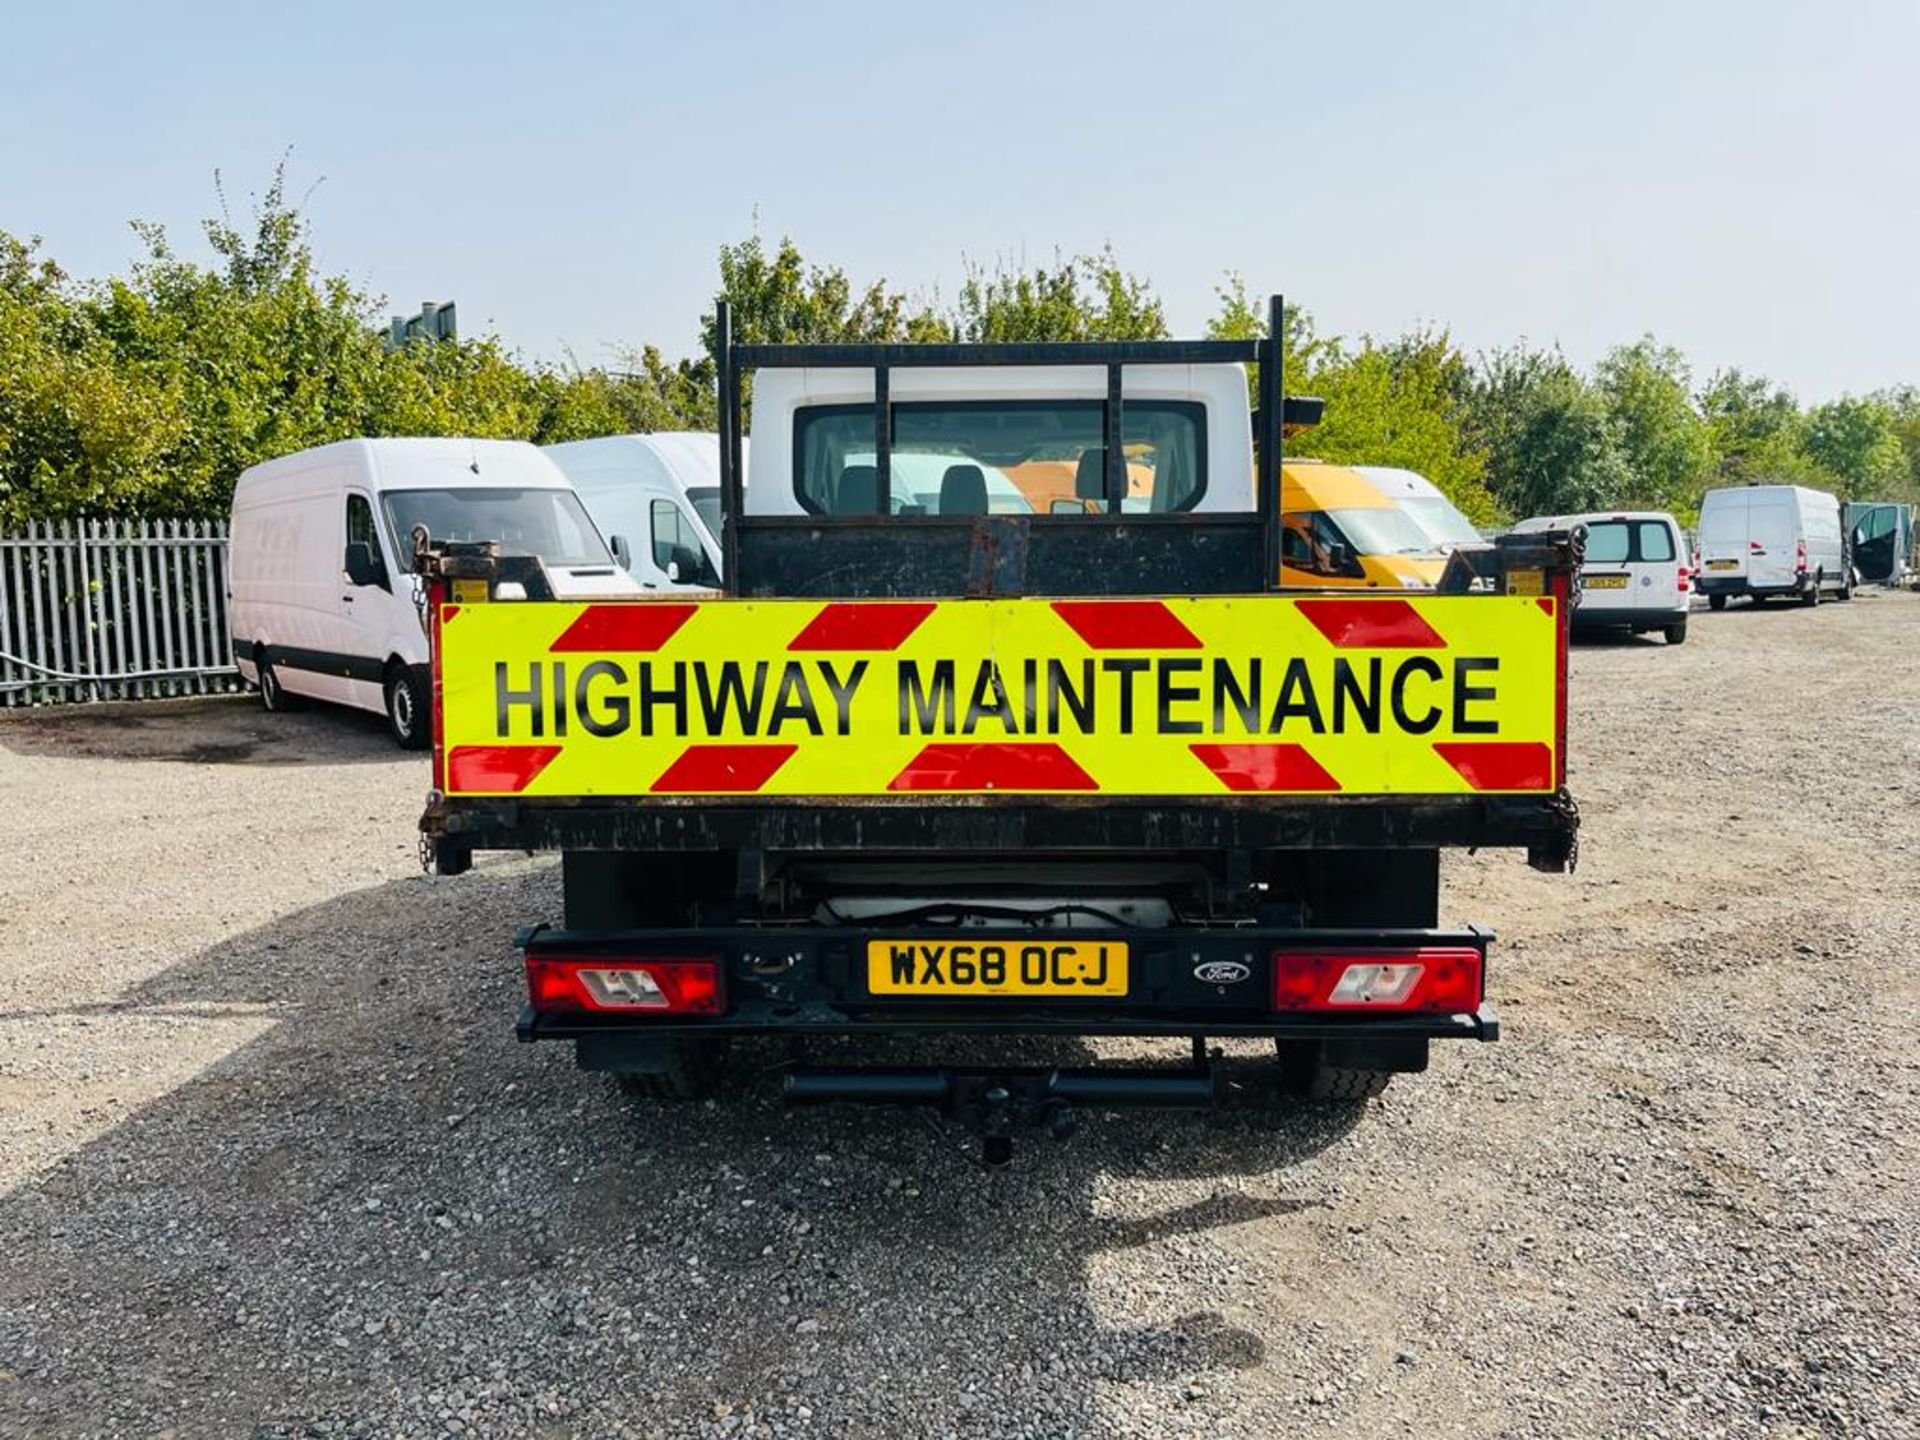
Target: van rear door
1607 576
1773 536
1723 535
1655 566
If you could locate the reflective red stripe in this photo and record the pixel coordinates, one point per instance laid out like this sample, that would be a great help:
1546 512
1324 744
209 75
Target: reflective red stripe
1384 624
637 626
1127 624
722 769
862 625
497 769
1278 766
993 765
1500 764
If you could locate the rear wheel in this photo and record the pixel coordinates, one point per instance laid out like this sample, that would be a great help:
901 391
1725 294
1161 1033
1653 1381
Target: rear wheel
678 1070
1716 602
408 701
1306 1072
1846 586
1676 633
273 696
1810 597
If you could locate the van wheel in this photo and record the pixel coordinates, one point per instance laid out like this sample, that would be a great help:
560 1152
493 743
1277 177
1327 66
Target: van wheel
273 695
1676 634
1846 586
1716 602
1810 597
686 1070
1305 1074
408 701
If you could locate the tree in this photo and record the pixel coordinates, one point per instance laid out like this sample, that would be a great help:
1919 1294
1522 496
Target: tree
1397 404
1087 298
1550 443
1755 430
1667 445
1853 440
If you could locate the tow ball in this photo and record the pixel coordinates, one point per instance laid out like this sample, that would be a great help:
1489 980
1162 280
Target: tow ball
994 1105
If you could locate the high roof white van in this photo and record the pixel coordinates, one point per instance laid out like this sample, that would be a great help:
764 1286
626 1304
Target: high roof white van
323 604
1424 502
657 500
1636 574
1765 540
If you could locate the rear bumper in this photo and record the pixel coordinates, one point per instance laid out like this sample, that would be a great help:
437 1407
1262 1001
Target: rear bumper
1587 620
1741 585
803 982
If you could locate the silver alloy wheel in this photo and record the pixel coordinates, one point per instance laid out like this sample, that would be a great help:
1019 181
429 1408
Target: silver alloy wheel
400 707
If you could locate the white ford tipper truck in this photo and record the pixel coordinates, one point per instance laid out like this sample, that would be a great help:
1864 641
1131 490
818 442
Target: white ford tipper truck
1003 725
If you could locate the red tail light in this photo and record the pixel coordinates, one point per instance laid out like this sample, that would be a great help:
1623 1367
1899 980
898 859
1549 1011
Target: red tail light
1800 555
667 985
1685 575
1448 979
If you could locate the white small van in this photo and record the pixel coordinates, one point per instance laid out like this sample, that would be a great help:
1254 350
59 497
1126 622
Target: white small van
651 495
1636 574
1764 540
322 601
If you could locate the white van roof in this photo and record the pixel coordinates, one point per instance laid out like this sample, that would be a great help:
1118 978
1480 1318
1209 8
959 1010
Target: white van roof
685 458
1393 482
408 462
1591 517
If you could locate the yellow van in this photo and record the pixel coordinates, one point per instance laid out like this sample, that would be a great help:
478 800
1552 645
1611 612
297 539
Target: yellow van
1340 531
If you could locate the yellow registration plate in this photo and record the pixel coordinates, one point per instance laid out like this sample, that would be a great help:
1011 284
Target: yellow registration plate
1723 564
996 967
1606 582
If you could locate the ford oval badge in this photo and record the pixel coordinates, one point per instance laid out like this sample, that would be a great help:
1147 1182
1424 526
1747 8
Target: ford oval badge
1221 972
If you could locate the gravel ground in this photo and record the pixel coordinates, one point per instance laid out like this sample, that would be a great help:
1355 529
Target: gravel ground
271 1163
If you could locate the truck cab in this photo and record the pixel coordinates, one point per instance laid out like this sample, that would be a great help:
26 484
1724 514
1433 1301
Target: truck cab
1005 723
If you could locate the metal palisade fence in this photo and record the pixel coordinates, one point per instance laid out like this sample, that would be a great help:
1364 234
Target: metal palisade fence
114 609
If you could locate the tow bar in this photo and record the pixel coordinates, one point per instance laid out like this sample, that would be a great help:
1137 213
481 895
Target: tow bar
995 1103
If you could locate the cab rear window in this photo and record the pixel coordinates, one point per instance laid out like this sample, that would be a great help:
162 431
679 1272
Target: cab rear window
1625 542
1003 457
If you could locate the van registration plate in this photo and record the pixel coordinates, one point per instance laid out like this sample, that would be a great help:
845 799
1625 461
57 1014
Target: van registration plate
992 968
1723 564
1605 582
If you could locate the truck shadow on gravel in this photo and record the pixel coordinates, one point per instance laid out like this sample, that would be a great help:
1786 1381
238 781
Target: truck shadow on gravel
384 1200
205 730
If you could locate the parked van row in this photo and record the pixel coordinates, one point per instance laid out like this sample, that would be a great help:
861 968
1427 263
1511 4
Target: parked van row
324 605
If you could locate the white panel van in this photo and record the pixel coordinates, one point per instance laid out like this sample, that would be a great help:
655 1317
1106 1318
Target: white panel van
1636 574
657 500
1764 540
1424 502
322 601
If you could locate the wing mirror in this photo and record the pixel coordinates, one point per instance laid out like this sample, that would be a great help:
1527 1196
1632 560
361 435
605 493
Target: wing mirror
689 567
622 553
363 567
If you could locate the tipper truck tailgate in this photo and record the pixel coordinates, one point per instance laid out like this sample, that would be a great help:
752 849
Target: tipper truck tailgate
1075 768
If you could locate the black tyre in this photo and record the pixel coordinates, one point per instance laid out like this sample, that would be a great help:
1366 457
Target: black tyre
273 695
1305 1073
1846 587
409 702
1676 633
688 1070
1716 602
1810 597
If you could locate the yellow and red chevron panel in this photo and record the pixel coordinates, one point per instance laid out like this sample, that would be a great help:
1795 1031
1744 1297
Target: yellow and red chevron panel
1308 695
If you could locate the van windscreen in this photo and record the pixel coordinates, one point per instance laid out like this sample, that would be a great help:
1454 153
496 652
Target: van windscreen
544 522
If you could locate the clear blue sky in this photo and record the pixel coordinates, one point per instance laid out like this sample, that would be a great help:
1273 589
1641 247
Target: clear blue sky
1737 178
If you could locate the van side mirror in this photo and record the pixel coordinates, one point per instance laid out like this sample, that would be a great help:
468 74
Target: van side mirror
689 567
363 567
1340 560
622 554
